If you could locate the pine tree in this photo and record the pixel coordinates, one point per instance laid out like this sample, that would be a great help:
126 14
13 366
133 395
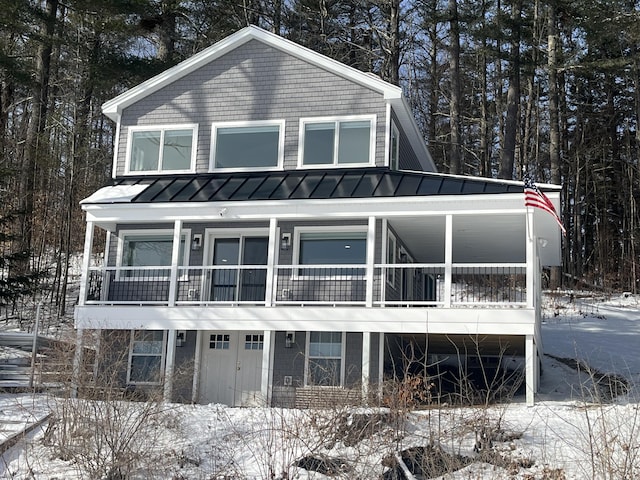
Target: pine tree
14 281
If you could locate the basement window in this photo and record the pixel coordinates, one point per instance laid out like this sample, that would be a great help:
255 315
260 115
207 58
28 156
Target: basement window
146 357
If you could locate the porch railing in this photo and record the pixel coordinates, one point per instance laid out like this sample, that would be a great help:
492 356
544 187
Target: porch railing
390 285
320 285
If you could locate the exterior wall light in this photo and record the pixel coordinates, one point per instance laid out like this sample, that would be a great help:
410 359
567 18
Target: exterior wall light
285 241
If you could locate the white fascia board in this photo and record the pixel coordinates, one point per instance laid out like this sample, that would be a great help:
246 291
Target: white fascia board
113 108
506 203
464 321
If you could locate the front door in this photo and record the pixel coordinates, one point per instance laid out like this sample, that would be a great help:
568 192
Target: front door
239 284
231 368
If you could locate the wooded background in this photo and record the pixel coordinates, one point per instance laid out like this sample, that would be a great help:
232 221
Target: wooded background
498 87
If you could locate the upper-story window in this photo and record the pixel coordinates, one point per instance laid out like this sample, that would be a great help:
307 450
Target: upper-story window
164 149
337 141
247 145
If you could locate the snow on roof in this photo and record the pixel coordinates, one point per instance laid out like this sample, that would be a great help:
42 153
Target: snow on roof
116 194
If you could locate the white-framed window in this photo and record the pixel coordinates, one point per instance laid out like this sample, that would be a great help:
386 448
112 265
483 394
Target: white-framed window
161 149
331 141
331 246
324 360
146 357
392 257
394 148
150 248
247 145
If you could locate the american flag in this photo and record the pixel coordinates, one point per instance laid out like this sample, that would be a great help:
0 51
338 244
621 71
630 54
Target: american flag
533 197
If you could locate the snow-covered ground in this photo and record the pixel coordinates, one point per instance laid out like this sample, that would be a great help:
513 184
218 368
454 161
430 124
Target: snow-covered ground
566 435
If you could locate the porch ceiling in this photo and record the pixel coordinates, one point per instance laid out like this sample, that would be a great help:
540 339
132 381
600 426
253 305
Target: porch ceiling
477 238
498 345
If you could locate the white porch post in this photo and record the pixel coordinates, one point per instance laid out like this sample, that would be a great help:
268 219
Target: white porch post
366 365
448 259
531 259
272 256
530 359
380 366
371 244
195 387
175 261
170 362
86 262
267 366
173 288
77 363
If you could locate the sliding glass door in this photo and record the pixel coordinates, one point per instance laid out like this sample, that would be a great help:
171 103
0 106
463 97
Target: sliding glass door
239 284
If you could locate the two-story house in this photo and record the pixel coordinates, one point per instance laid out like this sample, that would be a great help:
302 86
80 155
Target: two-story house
276 221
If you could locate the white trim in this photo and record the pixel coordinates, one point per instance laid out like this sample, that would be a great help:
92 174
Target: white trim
169 365
380 364
116 151
163 356
86 262
503 320
529 369
531 253
370 259
448 259
258 123
175 260
162 128
336 120
506 203
366 365
266 382
272 259
387 133
197 365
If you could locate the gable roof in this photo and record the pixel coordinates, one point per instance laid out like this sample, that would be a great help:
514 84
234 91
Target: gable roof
374 182
391 93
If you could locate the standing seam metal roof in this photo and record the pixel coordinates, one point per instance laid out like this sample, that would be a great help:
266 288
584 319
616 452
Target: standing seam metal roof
309 184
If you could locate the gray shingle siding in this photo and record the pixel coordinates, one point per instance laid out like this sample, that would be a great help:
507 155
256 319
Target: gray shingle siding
408 158
254 82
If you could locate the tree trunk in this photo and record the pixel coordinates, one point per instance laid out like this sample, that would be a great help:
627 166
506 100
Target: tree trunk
554 115
35 130
167 31
513 97
392 56
455 157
